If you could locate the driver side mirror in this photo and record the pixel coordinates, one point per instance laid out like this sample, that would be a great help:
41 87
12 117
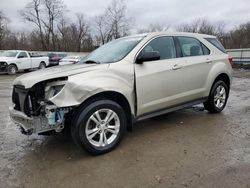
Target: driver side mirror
148 56
21 56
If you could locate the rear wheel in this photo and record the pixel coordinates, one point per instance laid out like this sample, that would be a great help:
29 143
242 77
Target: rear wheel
99 126
218 97
12 69
42 65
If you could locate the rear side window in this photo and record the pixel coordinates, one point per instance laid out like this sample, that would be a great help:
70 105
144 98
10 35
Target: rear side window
164 45
216 43
190 46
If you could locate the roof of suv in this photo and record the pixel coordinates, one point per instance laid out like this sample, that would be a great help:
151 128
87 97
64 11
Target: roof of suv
174 34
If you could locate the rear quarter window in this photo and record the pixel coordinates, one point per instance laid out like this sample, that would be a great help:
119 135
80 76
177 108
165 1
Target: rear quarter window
215 42
191 47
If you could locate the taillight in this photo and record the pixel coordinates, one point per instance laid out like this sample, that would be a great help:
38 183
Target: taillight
230 60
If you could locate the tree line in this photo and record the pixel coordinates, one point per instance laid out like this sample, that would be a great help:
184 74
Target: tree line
52 30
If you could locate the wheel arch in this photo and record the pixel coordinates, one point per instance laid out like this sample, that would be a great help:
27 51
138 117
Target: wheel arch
221 76
219 71
224 77
14 65
116 97
43 62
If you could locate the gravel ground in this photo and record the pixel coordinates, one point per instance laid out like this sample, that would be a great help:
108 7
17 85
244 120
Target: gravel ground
187 148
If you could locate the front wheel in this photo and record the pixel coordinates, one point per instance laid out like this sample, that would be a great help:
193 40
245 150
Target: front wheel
12 69
217 98
99 126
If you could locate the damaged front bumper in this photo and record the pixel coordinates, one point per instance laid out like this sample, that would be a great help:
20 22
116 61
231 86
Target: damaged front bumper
22 120
33 125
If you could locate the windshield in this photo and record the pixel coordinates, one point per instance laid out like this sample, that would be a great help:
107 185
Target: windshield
113 51
9 54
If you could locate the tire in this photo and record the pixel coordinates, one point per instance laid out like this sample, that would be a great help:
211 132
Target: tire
12 69
86 121
42 65
216 102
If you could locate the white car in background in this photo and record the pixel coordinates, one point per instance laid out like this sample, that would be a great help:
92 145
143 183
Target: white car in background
12 61
70 60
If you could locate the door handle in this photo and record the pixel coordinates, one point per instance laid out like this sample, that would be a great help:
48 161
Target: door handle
176 67
208 61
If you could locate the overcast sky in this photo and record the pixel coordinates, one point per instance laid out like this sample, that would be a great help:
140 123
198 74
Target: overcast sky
167 12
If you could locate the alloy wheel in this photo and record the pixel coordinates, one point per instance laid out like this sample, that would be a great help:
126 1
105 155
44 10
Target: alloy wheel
220 96
102 127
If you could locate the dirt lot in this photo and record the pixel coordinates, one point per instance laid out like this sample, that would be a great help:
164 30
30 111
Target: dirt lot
188 148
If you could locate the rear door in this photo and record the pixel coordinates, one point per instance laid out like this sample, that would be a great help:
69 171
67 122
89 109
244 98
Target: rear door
23 61
159 83
197 65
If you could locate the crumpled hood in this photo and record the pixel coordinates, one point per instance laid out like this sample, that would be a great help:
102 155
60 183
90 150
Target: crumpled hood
30 79
7 58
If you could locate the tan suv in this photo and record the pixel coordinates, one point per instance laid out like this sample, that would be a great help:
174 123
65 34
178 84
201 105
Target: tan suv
126 80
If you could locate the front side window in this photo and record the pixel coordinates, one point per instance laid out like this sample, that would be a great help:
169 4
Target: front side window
191 47
164 45
22 55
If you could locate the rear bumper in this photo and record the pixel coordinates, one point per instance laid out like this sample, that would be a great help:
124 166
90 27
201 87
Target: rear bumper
22 120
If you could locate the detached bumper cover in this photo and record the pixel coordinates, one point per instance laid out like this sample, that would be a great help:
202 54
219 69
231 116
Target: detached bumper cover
22 120
32 125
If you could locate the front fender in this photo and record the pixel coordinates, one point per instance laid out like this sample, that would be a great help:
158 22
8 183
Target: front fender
12 62
82 86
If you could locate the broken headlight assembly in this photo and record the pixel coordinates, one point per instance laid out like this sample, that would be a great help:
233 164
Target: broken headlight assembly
53 88
54 115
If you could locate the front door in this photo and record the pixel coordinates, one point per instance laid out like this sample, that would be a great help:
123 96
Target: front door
159 84
23 61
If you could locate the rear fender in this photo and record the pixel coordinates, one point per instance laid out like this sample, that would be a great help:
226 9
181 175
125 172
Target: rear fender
217 69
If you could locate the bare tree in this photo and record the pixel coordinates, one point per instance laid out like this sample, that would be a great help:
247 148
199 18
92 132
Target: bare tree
203 26
44 14
3 28
239 37
32 13
74 35
156 27
63 33
53 9
118 21
104 32
113 23
79 30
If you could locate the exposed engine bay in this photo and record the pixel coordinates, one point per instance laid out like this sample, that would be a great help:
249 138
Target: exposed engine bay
35 103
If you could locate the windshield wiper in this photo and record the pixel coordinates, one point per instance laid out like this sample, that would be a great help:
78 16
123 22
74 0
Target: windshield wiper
91 62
